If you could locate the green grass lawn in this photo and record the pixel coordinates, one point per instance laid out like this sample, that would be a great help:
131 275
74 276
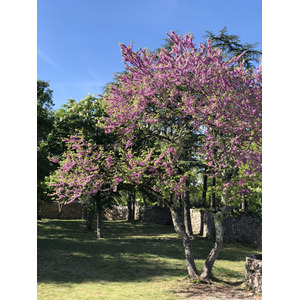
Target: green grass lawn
133 261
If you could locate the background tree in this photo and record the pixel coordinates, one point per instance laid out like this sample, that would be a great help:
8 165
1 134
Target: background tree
85 172
74 118
44 110
45 122
231 45
79 118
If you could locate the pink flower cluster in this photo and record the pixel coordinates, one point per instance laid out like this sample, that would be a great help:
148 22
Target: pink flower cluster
193 89
82 172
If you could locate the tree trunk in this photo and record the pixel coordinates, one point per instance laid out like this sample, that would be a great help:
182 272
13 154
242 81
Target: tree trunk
204 190
244 204
201 222
180 200
89 215
129 205
218 221
144 199
187 213
188 250
213 194
99 216
133 208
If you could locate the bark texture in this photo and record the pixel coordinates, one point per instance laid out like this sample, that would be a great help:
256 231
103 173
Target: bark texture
188 250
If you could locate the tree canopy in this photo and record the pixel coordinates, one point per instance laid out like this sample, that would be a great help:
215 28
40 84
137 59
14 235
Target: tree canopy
172 96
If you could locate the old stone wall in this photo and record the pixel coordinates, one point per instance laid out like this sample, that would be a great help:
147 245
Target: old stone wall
116 213
157 215
55 210
241 228
253 270
237 229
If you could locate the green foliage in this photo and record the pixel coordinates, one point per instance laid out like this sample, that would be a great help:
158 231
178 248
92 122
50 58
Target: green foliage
45 121
44 110
77 118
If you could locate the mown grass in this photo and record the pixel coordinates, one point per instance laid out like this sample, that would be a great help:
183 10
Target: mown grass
133 261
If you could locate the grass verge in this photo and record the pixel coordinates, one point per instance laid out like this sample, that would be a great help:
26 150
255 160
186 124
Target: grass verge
133 261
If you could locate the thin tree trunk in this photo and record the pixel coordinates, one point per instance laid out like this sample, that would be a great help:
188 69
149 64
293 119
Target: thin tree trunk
213 194
204 193
99 217
144 199
187 213
204 190
89 212
180 200
244 204
129 205
218 221
188 250
133 207
201 222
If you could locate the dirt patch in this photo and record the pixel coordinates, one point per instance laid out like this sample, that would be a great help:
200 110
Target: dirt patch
214 290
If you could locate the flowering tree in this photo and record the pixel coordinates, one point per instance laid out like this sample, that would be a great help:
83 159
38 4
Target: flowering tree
188 102
85 172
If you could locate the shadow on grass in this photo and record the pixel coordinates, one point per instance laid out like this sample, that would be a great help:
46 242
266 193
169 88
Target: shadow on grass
68 252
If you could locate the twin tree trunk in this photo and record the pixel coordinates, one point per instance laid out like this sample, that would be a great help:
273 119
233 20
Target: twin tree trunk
218 221
188 250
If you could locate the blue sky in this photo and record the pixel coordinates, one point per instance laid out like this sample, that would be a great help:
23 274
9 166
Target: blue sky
77 41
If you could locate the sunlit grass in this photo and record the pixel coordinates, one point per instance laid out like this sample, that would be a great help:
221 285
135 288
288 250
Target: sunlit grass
133 261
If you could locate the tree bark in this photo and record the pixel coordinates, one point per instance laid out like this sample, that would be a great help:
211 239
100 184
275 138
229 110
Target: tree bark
99 216
204 190
180 200
201 222
244 204
188 250
129 205
144 199
187 213
213 194
133 207
89 212
218 221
